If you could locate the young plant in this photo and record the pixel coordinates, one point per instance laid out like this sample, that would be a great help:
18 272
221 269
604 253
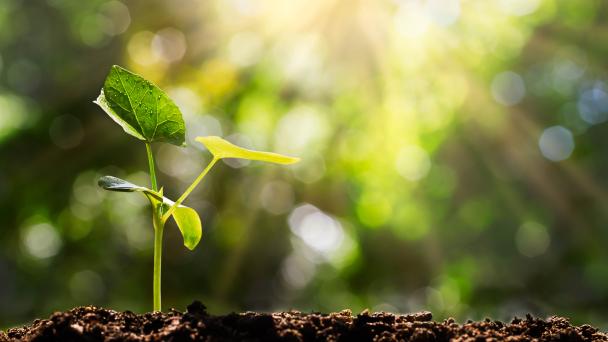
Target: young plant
144 111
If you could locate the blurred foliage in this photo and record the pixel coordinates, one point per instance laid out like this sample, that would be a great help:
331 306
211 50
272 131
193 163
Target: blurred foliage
453 156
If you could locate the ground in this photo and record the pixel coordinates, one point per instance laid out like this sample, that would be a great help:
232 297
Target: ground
98 324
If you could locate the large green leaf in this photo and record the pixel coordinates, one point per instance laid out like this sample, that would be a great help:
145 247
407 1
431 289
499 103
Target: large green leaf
141 108
221 148
187 219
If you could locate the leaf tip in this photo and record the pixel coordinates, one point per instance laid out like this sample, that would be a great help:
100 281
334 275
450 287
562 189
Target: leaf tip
191 245
191 241
292 160
99 98
104 181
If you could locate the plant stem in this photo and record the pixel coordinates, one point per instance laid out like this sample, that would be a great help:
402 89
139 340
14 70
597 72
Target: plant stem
151 165
158 252
189 190
158 224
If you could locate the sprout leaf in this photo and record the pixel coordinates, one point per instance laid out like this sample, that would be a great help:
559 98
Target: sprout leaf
221 148
112 183
188 222
187 219
141 108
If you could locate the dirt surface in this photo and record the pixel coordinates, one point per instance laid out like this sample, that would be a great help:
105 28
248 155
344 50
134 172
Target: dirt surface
96 324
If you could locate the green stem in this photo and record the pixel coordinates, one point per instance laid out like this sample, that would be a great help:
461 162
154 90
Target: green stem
151 165
158 224
181 199
158 252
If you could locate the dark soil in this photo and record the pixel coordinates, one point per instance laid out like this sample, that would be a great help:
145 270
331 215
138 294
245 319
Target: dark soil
96 324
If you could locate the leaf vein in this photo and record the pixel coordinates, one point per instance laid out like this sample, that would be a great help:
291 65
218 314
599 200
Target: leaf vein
131 104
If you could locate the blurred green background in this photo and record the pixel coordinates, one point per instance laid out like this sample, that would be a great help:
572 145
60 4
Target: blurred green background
454 156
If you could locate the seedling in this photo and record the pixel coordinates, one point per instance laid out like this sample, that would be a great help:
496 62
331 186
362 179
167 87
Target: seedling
144 111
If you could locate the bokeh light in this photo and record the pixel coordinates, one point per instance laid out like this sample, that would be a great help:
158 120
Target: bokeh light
413 163
317 230
508 88
169 45
518 7
532 239
41 240
593 104
556 143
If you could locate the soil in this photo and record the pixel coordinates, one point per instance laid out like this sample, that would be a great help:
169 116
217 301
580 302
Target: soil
97 324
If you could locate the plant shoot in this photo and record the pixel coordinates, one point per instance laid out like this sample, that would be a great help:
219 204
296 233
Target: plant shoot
145 112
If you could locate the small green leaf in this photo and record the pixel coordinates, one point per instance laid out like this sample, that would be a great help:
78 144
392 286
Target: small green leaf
141 108
187 219
112 183
221 148
188 222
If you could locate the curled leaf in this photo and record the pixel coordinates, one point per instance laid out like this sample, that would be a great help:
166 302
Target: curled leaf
187 219
221 148
112 183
